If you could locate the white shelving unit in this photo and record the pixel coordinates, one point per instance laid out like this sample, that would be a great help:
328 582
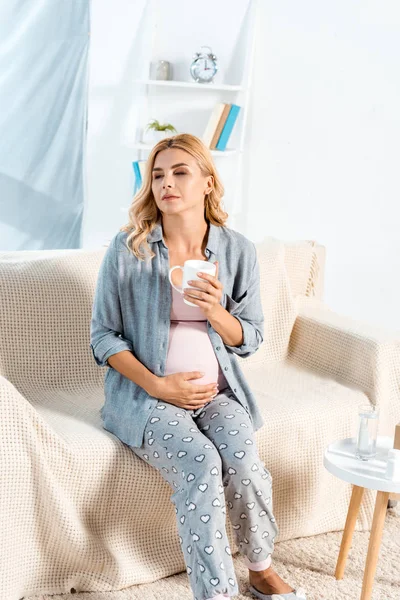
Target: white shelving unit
188 104
188 84
227 152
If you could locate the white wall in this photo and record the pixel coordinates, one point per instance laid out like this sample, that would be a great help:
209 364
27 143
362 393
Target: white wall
325 143
323 140
112 59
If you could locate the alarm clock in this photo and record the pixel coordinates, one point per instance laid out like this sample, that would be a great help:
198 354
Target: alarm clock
204 66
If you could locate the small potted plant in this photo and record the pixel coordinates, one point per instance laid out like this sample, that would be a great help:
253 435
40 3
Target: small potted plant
158 131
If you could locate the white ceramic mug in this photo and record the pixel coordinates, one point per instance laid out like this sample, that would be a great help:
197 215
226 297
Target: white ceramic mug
189 273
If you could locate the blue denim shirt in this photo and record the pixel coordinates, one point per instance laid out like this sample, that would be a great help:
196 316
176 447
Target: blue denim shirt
131 311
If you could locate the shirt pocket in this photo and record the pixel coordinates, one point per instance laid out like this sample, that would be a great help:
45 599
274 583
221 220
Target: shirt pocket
234 306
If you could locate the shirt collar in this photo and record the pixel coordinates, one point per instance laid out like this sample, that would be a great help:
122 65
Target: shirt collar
156 235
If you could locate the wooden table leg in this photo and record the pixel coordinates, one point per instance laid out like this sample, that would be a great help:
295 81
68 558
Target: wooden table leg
352 513
374 544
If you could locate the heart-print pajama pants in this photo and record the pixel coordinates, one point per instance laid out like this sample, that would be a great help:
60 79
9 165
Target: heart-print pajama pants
204 454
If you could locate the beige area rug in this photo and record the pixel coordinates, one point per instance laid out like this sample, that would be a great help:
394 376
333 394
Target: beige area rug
304 562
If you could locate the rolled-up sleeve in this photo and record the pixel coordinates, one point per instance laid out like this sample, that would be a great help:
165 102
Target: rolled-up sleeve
106 325
248 311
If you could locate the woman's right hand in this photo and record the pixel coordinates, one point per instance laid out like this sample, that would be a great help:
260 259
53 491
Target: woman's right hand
177 390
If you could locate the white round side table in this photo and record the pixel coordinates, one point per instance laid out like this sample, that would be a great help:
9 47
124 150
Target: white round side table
340 460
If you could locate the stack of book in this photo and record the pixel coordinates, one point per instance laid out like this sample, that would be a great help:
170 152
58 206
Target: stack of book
138 171
215 137
220 125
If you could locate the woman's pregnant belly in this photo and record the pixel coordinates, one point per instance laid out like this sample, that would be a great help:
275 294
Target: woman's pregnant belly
190 349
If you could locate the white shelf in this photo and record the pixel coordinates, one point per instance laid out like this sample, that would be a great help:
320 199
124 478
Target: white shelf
227 152
192 84
188 115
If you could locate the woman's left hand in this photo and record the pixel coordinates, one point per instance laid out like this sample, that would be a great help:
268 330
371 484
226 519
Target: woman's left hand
209 294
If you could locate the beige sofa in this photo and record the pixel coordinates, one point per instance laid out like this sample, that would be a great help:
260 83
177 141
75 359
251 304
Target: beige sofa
78 509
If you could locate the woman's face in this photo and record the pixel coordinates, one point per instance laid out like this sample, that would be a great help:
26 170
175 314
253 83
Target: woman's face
176 173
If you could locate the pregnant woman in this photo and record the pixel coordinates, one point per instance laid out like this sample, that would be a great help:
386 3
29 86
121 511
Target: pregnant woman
174 392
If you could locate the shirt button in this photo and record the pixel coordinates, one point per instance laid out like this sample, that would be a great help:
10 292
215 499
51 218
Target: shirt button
226 368
218 348
234 389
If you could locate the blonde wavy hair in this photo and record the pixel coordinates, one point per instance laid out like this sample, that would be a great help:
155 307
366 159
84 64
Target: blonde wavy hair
144 213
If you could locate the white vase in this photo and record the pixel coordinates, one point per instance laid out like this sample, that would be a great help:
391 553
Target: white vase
160 135
153 136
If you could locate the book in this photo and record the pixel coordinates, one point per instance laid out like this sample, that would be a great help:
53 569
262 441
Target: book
220 126
139 167
142 168
137 176
229 124
212 124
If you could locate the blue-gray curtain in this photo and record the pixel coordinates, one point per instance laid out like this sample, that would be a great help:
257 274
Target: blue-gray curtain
43 121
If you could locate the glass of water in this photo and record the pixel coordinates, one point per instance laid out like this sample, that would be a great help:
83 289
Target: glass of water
368 419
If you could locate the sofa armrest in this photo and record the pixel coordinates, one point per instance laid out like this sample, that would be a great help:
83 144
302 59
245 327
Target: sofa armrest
355 353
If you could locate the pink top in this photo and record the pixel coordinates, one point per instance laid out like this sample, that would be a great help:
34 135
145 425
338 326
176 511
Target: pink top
190 348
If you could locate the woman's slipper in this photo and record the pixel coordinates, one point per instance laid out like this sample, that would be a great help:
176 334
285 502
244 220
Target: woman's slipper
295 595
